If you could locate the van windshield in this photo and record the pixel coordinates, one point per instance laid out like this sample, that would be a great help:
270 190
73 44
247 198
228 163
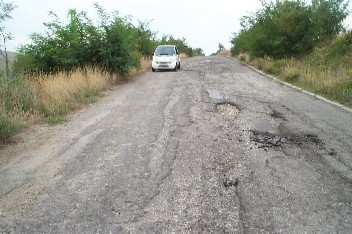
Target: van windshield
165 50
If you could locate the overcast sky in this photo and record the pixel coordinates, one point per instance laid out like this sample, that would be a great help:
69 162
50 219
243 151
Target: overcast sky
204 24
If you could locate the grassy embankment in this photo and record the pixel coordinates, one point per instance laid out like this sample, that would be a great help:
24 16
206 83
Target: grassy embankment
327 71
27 100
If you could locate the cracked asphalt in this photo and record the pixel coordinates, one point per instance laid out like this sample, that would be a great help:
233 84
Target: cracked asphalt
212 148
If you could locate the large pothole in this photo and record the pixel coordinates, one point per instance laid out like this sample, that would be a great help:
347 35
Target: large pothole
269 140
227 109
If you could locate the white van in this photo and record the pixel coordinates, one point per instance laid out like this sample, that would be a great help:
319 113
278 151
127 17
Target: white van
166 57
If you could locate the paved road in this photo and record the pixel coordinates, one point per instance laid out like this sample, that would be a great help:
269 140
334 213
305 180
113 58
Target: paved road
214 147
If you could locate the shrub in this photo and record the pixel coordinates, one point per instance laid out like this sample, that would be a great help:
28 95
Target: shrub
270 68
6 128
286 28
242 58
292 75
273 67
342 92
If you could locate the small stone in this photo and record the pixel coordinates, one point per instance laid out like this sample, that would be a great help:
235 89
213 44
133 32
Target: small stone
283 140
276 140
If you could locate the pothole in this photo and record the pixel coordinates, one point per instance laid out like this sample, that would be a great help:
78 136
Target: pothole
269 140
277 115
227 109
231 179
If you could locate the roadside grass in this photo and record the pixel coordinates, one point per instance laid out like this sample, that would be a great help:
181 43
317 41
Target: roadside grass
183 56
27 100
327 71
146 64
55 120
64 92
224 52
15 107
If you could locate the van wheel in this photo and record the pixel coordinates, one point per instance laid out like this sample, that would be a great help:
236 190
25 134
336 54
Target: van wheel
179 66
153 69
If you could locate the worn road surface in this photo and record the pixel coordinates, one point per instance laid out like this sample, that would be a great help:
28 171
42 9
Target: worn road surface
212 148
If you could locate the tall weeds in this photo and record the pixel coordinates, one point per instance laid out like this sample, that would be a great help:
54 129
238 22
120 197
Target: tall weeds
63 92
333 82
26 100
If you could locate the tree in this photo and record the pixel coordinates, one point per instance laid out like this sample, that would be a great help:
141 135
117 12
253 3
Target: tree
112 45
181 45
5 13
327 17
198 52
148 41
286 28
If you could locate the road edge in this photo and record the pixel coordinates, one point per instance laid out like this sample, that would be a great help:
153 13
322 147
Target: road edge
331 161
295 87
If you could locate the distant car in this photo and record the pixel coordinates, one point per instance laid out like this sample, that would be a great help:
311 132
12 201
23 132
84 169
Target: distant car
166 57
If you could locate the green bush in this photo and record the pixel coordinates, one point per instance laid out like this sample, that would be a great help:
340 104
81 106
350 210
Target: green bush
113 44
6 128
342 92
242 58
289 28
271 69
292 75
332 54
271 66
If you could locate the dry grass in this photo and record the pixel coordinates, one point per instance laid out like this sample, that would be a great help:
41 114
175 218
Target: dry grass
333 83
224 52
52 96
183 56
62 92
146 64
325 71
244 57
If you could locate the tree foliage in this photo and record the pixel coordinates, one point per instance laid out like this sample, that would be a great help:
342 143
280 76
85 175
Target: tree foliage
181 45
113 44
6 9
148 41
287 28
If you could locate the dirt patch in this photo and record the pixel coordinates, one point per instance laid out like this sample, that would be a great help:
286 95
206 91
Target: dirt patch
32 137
